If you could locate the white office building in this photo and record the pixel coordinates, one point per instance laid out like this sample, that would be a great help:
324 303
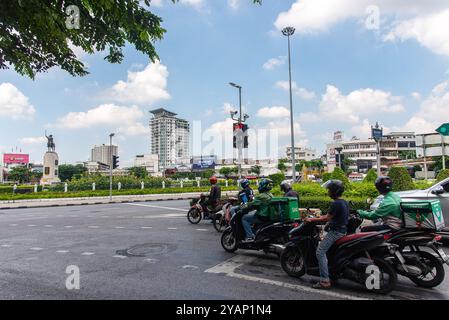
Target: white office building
148 161
301 154
170 138
103 154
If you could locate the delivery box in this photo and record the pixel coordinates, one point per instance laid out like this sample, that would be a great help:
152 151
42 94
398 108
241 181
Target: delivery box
284 208
422 214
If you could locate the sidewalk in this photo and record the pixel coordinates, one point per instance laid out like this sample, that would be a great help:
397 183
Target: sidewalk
41 203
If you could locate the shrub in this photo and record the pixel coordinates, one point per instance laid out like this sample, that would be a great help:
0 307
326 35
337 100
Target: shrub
401 179
327 176
371 176
443 174
277 178
339 174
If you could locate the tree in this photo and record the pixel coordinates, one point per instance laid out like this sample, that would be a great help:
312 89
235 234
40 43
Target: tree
401 179
36 35
371 176
277 178
339 174
138 172
256 170
68 171
282 167
19 174
443 174
228 171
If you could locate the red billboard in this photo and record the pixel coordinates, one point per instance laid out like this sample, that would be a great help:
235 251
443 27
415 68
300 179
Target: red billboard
16 158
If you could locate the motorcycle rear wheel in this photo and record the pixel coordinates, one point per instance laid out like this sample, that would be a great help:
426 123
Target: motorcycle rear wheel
386 269
219 222
228 241
194 216
292 262
435 264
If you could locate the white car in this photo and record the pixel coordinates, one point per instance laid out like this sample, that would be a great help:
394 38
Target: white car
438 191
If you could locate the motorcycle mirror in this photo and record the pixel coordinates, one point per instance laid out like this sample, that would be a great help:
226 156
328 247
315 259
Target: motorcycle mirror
369 201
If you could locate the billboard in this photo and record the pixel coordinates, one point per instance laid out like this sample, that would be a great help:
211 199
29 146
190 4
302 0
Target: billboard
16 158
204 162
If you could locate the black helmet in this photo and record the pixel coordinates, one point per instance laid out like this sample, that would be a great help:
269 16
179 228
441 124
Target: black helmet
286 186
384 184
265 185
335 187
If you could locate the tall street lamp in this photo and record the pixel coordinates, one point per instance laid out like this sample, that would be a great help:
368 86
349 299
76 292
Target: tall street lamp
110 165
240 120
289 31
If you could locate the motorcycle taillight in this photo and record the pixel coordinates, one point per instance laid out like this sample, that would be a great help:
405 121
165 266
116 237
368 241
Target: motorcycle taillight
438 238
387 236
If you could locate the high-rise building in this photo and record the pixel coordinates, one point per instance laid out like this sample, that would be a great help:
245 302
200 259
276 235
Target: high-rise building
148 161
103 154
170 137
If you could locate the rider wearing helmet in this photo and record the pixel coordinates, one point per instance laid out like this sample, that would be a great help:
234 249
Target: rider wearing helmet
245 195
389 211
261 204
337 219
214 194
286 187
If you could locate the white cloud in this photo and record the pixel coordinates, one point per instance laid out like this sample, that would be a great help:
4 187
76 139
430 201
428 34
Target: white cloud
234 4
283 128
142 87
301 92
423 21
135 129
14 104
126 119
227 108
33 140
198 4
416 95
274 62
273 112
348 108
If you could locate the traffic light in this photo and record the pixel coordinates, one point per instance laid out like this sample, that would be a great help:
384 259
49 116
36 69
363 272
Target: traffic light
115 162
241 130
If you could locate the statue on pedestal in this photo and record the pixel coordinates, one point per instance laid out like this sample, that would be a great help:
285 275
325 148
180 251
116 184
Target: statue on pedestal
50 142
51 163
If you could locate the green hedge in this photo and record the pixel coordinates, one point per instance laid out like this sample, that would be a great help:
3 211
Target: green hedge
323 203
443 174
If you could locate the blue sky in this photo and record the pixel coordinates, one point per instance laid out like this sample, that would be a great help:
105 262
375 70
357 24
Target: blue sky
347 76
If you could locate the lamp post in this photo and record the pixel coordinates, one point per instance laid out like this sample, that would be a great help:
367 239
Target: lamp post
339 149
289 31
111 165
240 120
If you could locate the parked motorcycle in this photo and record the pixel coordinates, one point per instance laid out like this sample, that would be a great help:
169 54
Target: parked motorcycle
269 237
348 258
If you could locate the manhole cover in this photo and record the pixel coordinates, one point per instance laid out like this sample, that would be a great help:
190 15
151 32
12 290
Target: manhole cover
147 249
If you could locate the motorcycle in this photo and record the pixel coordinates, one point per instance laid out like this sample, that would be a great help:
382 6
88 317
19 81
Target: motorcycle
269 237
349 257
199 211
223 217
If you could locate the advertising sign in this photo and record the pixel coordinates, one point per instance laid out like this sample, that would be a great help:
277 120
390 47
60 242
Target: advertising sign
204 162
376 134
16 158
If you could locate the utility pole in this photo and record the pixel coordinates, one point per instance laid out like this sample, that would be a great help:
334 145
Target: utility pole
288 32
377 134
110 166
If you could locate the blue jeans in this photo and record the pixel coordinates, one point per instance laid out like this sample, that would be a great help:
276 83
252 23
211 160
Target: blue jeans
248 220
321 251
234 210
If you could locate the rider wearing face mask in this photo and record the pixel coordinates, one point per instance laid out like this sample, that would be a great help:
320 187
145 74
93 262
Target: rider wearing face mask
389 211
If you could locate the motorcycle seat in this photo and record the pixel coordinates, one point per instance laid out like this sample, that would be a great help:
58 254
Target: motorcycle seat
354 236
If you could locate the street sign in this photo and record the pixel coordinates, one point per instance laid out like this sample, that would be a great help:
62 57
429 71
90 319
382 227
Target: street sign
443 129
376 133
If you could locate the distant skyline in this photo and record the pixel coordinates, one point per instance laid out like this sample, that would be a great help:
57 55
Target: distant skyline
348 72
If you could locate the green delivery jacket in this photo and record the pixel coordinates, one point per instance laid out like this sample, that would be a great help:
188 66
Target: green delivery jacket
261 204
389 211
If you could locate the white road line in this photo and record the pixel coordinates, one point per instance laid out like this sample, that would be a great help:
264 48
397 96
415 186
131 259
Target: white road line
172 228
68 227
152 261
202 230
119 227
87 253
31 225
13 225
93 227
62 251
146 227
48 226
6 246
190 267
228 268
119 256
36 249
158 207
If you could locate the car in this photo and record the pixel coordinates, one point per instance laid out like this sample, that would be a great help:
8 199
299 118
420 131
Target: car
439 191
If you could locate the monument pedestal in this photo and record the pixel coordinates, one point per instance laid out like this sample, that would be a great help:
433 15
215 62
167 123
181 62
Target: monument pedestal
50 172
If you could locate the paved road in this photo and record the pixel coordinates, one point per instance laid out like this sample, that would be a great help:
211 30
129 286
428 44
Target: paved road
145 251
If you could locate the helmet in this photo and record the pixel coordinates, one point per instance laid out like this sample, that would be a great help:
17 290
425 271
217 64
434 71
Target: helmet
335 188
285 186
244 183
265 185
213 180
384 184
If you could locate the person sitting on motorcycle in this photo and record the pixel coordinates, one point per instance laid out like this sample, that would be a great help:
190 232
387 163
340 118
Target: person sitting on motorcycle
337 219
213 200
286 187
245 195
261 204
389 211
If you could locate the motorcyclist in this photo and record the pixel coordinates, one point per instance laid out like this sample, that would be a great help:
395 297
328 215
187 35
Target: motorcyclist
245 195
337 219
389 211
213 200
286 187
261 204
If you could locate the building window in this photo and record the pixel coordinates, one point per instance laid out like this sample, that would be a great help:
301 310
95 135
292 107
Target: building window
47 170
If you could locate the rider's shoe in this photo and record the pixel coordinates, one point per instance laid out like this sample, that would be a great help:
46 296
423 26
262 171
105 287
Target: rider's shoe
248 240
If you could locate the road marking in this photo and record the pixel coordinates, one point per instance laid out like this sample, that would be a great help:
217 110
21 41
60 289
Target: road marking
172 228
62 251
146 227
68 226
13 225
228 268
152 261
93 227
87 253
202 230
119 227
36 249
6 245
119 256
49 226
31 225
190 267
158 207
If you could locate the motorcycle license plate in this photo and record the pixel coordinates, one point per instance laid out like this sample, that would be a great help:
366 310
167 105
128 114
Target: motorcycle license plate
443 255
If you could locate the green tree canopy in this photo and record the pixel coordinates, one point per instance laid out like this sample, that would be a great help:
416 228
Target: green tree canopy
256 170
443 174
67 171
138 172
339 174
36 35
371 176
401 179
19 174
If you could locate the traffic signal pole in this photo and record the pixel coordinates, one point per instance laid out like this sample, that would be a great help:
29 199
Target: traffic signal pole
110 166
